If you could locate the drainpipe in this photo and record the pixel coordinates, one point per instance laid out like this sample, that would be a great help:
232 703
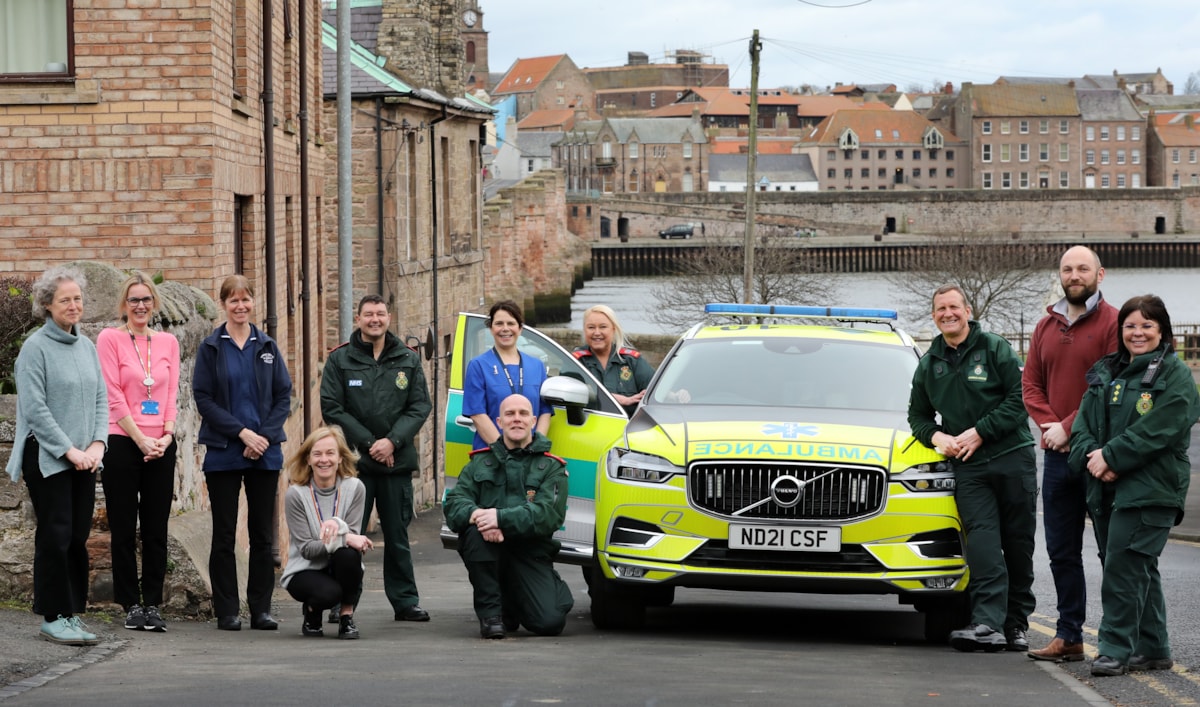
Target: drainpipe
434 332
379 193
306 345
268 100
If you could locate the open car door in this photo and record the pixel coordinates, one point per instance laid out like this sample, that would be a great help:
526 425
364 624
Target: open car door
581 445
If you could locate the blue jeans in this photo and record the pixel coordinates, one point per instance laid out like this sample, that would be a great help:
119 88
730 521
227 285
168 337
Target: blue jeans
1064 508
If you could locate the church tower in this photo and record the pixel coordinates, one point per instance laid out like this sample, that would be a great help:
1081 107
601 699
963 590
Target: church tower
475 46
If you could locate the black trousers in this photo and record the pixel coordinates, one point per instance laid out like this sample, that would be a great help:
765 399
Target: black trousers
64 504
339 583
223 490
136 491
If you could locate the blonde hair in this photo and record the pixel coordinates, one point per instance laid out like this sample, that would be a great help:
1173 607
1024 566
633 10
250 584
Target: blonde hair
297 468
619 340
137 277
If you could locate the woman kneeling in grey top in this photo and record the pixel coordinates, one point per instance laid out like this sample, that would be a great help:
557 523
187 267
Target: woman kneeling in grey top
324 504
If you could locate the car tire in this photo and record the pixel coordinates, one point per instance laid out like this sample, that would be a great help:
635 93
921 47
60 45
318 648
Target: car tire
945 616
613 607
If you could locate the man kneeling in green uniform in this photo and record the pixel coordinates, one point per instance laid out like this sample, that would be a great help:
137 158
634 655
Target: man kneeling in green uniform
510 499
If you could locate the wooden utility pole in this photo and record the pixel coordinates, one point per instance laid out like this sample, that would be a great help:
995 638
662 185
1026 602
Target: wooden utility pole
751 169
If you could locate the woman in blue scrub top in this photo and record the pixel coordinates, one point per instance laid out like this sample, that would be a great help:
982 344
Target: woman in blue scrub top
500 372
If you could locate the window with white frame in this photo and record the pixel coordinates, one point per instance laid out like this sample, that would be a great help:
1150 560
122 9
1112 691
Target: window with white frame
35 38
986 154
1089 133
1135 132
987 180
1005 152
1005 127
1175 179
633 150
1023 155
1135 181
1103 156
1044 152
1175 155
1006 180
687 151
1120 132
1023 127
1064 179
1044 126
1105 182
1089 157
1023 180
1064 152
606 150
1120 156
687 182
1121 180
1135 156
986 127
1064 126
1192 155
1103 132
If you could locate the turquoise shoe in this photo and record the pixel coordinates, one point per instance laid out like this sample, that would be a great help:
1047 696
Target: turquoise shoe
89 638
63 631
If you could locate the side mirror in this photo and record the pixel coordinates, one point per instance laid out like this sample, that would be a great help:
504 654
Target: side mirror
570 393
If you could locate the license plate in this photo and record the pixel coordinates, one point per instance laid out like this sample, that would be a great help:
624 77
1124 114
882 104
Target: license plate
785 537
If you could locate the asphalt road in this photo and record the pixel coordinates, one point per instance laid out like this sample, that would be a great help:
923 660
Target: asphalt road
710 648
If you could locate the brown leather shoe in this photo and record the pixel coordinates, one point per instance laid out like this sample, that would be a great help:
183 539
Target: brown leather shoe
1059 651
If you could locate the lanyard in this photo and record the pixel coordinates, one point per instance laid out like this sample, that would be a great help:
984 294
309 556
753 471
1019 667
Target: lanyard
148 381
520 371
337 496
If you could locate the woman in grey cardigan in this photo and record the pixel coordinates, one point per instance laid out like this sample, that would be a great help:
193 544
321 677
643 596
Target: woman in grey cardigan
324 506
62 425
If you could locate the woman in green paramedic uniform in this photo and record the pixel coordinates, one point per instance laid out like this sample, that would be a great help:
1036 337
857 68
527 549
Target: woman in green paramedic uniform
607 355
1131 438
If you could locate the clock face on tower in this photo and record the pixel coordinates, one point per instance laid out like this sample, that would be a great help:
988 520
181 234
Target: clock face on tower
470 17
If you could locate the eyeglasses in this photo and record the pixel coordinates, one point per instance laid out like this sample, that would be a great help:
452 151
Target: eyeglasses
135 301
1147 326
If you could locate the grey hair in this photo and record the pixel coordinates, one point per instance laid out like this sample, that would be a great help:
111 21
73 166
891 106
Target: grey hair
46 285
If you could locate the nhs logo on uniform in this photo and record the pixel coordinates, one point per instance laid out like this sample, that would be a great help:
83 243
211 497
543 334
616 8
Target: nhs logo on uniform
354 383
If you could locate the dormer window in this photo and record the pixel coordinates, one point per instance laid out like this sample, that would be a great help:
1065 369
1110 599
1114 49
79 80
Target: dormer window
848 140
933 140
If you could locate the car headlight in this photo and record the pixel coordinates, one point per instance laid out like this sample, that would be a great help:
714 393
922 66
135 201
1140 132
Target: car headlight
937 477
628 465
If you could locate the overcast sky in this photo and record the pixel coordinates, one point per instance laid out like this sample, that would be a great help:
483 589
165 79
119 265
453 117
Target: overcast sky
880 41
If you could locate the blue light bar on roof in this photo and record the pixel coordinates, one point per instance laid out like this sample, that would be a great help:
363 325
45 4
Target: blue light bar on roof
787 310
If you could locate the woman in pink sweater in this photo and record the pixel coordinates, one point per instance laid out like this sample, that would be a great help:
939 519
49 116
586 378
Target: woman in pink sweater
141 371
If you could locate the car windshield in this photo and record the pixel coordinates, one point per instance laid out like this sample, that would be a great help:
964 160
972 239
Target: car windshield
789 372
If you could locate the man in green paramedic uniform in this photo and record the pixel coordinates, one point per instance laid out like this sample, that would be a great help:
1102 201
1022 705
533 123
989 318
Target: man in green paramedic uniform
509 500
972 379
373 387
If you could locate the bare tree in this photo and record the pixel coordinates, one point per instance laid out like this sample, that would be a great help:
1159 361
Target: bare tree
1192 87
786 272
1003 279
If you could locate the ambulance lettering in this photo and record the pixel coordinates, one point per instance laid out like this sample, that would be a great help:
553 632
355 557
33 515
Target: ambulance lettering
795 449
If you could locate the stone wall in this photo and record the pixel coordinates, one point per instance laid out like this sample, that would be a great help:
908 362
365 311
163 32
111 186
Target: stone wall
1076 214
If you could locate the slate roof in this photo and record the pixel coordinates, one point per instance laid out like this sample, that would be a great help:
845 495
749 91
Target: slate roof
777 168
1106 104
537 144
365 16
1167 102
895 127
1021 100
527 74
656 131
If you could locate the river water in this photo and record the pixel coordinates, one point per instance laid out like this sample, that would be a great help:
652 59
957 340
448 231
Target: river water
633 300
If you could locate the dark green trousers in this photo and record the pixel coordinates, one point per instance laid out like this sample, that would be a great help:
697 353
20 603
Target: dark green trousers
1131 593
392 495
515 580
997 502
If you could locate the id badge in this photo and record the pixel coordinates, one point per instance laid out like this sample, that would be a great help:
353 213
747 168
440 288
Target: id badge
149 407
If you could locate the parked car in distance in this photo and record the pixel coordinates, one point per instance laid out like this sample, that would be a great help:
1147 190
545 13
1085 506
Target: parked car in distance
679 230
